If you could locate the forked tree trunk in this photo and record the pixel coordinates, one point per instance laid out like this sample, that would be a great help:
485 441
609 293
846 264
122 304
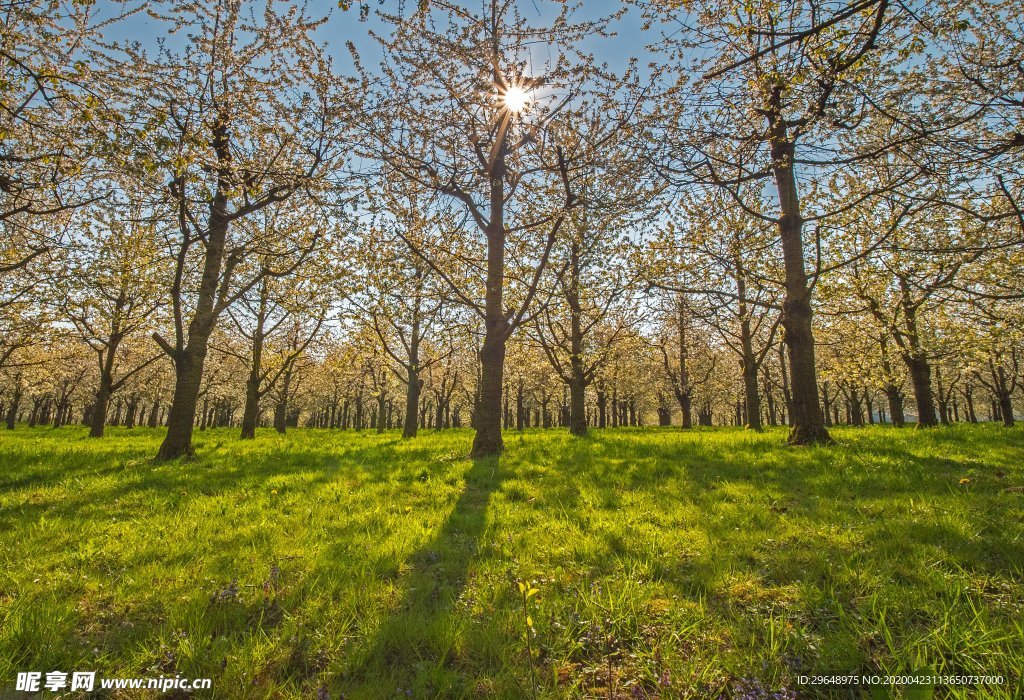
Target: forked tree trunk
188 375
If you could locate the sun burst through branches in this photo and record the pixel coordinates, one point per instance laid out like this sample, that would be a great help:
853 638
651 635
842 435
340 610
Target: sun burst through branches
514 99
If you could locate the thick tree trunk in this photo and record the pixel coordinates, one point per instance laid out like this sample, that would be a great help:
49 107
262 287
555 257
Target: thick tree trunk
1006 408
412 402
188 375
189 360
99 408
578 407
921 378
895 398
807 419
487 419
12 410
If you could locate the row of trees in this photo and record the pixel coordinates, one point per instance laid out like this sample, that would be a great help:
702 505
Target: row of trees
792 212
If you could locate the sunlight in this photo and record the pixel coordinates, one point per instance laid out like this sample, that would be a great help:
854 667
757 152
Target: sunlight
514 99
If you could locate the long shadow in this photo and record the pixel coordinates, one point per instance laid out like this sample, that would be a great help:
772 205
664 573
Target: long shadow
420 631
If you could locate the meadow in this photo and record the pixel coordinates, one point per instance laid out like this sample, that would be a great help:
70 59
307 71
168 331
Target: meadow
665 564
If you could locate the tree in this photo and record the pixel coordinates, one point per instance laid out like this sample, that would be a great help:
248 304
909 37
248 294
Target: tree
772 76
586 313
268 308
247 116
462 118
403 298
111 293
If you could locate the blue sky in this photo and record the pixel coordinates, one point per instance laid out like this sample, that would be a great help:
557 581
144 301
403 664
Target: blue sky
345 26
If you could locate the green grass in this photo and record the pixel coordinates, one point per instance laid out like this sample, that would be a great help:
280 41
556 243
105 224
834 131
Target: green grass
668 564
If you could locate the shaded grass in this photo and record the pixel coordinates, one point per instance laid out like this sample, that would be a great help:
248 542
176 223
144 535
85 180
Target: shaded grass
669 564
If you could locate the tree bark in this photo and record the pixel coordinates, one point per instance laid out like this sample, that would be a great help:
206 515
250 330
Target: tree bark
189 360
751 392
895 398
806 417
99 407
412 401
921 378
487 419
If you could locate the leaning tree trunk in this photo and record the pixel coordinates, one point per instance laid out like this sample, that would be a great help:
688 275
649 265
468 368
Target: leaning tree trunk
807 420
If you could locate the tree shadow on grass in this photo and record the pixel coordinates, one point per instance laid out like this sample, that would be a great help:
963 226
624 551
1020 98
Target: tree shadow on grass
417 648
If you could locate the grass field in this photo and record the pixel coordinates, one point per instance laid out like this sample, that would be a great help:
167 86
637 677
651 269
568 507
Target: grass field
712 563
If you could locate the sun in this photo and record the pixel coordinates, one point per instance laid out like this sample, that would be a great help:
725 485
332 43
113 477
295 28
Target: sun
514 99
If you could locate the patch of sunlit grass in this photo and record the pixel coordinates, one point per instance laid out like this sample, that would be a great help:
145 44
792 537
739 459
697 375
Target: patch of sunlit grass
666 564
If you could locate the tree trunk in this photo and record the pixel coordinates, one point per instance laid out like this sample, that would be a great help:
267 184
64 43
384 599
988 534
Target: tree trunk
1006 408
520 415
154 413
99 408
807 419
895 398
251 410
189 360
751 393
281 409
12 410
487 419
578 407
412 402
188 375
921 377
